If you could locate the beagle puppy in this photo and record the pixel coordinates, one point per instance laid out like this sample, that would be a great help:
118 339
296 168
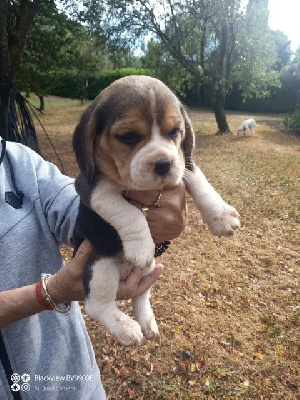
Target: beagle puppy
136 135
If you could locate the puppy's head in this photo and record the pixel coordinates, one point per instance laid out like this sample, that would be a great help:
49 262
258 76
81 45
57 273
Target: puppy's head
137 133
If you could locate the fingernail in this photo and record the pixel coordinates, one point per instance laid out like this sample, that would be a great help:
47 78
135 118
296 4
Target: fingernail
160 267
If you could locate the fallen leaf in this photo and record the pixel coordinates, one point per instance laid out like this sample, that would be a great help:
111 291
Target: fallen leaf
259 355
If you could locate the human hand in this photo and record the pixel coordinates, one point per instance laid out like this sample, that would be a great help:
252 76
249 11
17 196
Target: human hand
168 220
66 285
135 284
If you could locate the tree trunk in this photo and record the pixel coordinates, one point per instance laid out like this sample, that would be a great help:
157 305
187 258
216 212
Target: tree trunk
15 119
42 102
220 115
5 70
5 67
24 21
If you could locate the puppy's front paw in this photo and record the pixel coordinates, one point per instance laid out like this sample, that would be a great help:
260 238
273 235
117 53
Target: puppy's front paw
225 222
139 253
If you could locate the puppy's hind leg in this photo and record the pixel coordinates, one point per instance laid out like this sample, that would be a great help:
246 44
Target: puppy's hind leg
101 303
143 311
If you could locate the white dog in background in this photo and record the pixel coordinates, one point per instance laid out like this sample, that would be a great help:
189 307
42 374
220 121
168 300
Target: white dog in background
247 124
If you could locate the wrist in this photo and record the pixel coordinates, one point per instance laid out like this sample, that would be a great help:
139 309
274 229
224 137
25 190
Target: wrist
49 296
40 298
54 290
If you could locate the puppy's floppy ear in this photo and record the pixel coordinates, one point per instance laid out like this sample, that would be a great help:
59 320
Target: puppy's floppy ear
188 143
83 142
83 189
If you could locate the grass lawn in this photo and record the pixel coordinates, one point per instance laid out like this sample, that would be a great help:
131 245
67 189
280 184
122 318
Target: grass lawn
227 308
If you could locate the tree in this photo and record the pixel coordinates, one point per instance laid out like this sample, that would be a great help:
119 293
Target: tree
295 65
291 73
16 19
283 47
39 37
58 43
216 43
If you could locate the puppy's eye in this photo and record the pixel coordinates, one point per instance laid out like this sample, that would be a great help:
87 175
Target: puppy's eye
174 133
130 139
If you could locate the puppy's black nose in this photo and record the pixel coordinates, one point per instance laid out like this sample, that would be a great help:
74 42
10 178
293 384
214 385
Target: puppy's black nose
162 167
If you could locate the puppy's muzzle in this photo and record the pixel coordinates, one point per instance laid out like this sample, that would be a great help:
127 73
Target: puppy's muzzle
162 167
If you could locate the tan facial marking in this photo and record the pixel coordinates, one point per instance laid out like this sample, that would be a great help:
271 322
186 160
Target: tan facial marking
114 157
132 121
171 122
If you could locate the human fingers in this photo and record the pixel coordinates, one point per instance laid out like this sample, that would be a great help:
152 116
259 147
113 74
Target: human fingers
135 284
148 280
169 220
81 258
66 285
166 211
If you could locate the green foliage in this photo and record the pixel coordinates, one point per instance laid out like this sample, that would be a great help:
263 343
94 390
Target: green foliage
66 83
294 67
57 43
282 99
283 47
168 69
292 122
67 51
254 70
200 49
206 43
216 42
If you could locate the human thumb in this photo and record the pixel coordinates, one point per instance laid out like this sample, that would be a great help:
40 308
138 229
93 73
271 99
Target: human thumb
83 254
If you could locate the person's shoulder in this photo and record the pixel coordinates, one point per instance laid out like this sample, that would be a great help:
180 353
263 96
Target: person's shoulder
25 161
18 150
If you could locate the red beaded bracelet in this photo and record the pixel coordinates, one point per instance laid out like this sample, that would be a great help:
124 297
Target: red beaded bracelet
39 296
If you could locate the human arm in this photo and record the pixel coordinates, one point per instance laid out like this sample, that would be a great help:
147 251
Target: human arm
63 287
17 304
66 285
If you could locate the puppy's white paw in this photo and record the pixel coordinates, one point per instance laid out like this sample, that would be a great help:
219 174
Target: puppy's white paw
150 328
225 222
128 332
144 315
139 253
124 328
